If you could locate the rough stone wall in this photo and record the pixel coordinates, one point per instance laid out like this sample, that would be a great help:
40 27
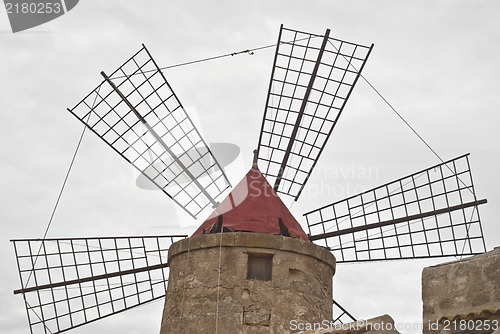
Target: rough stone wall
300 288
467 289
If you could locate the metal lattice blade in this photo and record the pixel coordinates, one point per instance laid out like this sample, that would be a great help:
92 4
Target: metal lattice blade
341 315
67 283
432 213
312 78
136 112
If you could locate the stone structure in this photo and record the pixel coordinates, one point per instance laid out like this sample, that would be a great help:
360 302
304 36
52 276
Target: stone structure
462 293
264 282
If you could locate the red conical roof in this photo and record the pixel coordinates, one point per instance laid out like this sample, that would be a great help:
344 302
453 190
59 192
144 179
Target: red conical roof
253 206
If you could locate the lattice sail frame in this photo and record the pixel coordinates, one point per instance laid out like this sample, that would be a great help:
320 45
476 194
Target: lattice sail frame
341 315
432 213
67 283
136 112
311 80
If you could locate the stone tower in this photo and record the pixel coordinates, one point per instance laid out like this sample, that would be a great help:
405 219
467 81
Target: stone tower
249 268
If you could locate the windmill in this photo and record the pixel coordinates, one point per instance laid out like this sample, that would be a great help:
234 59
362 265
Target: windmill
67 283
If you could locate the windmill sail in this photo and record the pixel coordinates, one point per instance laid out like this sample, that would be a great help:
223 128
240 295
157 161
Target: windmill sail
136 112
67 283
341 315
432 213
311 80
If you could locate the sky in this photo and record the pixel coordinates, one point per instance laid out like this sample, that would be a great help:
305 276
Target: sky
436 62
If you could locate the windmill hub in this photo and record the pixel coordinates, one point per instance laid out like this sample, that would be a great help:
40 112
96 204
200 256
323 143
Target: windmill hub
264 282
253 206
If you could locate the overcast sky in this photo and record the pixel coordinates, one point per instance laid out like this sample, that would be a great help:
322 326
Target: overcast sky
435 61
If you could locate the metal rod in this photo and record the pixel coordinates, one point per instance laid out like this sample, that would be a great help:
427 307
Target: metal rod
305 100
160 140
405 258
105 238
343 310
396 221
255 159
91 279
387 184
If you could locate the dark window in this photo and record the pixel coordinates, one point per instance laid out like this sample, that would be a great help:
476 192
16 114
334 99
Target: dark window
260 266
